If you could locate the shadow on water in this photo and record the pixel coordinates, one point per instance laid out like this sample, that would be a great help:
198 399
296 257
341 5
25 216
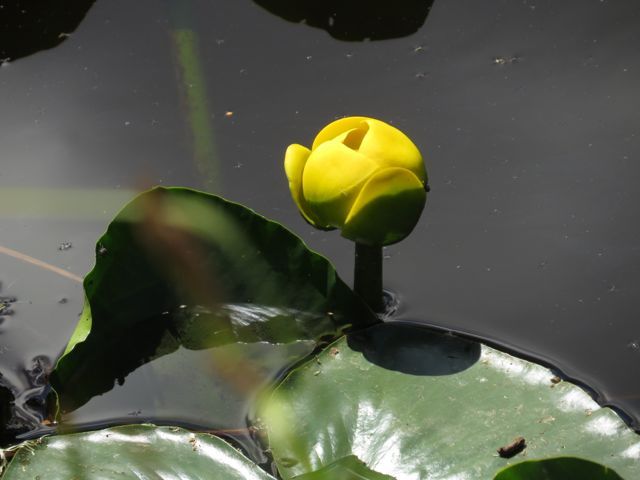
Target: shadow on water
415 350
355 20
28 27
6 399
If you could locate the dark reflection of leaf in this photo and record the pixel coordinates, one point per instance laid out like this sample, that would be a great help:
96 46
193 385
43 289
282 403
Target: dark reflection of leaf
27 27
183 268
560 468
347 468
355 20
414 350
6 399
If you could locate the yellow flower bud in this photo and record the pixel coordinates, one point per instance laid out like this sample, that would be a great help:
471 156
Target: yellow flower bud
362 176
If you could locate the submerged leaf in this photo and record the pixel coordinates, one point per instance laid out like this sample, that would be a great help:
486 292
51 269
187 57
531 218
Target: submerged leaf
181 269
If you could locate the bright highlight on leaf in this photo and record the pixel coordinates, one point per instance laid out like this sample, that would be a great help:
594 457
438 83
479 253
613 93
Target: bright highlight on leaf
362 176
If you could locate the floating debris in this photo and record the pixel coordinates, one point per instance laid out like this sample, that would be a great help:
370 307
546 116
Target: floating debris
5 309
634 345
506 60
65 246
5 305
514 448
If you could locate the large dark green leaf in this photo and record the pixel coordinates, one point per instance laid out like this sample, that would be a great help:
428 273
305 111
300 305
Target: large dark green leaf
179 269
561 468
132 452
416 404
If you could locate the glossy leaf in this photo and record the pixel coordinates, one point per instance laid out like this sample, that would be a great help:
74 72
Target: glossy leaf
132 452
348 468
181 269
416 404
561 468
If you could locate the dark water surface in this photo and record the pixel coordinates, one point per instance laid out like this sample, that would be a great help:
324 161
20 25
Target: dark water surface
527 113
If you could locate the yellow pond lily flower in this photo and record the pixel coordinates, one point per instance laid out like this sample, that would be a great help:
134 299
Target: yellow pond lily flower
362 176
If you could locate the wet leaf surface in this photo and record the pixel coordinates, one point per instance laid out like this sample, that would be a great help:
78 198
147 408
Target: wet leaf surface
348 468
417 404
132 452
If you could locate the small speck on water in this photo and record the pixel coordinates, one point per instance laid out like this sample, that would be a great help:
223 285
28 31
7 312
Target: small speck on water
634 345
65 246
63 300
506 60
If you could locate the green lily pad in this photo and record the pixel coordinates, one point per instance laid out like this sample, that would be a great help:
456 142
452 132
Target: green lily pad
561 468
132 452
348 468
417 404
180 269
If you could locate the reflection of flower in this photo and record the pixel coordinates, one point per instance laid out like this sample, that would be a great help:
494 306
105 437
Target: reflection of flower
362 176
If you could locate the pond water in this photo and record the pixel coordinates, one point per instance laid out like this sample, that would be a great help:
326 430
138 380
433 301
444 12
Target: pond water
526 112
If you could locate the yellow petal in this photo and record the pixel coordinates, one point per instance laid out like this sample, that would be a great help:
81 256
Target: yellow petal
387 208
334 129
389 147
295 159
331 180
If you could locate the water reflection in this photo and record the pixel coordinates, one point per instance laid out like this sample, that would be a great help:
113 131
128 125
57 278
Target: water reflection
415 350
28 27
355 20
6 399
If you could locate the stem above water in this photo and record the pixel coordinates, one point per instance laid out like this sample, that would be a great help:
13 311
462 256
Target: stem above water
367 278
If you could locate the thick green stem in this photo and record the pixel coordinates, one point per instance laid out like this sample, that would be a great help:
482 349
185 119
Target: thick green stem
367 279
